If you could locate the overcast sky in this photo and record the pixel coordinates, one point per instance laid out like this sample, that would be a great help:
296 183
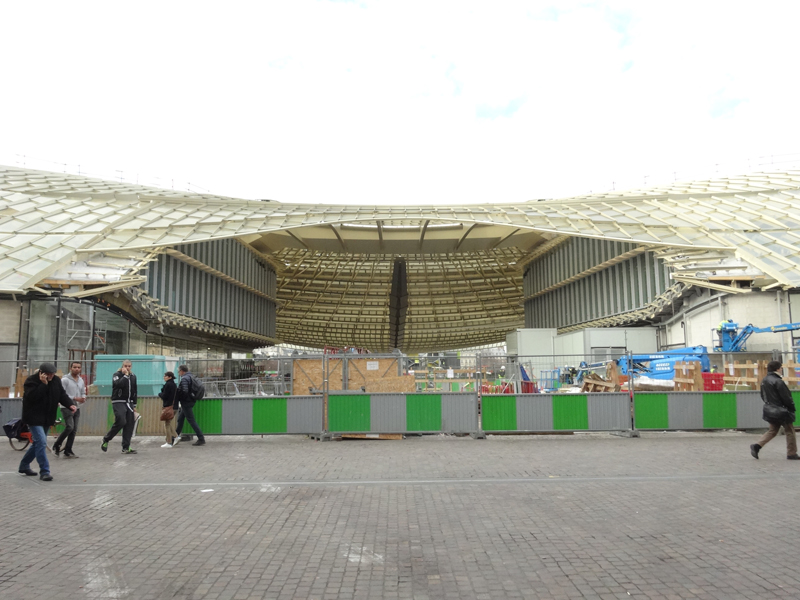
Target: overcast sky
400 102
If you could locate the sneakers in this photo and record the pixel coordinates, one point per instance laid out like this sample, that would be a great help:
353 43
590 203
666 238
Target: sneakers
44 476
166 445
176 441
793 457
104 447
27 471
754 448
70 455
56 449
129 451
199 443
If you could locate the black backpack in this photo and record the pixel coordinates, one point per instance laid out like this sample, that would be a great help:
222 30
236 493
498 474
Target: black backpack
197 390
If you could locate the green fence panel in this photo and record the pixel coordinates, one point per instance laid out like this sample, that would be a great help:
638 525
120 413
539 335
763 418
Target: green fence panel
719 411
423 412
349 413
209 417
499 413
650 411
269 415
570 411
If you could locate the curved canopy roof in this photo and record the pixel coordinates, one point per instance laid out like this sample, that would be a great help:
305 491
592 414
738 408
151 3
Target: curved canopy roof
338 265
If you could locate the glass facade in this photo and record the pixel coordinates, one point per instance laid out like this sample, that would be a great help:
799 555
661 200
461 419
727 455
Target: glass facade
62 330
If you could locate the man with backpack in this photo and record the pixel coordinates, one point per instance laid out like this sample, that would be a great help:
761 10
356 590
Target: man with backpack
190 390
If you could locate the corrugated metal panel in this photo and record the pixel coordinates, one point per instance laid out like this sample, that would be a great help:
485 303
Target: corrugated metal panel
387 413
459 413
609 412
749 407
95 416
237 416
685 410
535 412
423 412
10 408
150 423
304 414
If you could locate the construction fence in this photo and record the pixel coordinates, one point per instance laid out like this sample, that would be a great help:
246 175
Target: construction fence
325 395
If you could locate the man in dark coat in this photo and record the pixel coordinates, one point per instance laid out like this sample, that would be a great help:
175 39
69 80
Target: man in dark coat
775 392
42 394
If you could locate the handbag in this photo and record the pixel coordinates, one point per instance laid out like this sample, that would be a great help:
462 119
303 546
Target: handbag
168 413
777 414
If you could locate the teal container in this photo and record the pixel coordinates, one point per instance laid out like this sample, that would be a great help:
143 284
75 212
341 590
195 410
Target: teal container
148 368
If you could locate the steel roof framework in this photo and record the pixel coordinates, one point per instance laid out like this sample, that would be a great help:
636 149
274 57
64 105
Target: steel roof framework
464 264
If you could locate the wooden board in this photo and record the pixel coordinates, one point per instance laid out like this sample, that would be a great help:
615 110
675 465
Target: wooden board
372 436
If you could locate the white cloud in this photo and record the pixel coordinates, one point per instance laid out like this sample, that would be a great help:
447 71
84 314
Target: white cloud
399 102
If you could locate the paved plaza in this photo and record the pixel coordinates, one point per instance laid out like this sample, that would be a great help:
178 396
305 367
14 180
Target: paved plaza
668 515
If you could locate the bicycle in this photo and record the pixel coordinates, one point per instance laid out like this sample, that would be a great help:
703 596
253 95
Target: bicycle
24 439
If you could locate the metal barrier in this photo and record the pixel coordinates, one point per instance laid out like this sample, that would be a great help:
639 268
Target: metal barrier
216 416
708 410
448 412
555 412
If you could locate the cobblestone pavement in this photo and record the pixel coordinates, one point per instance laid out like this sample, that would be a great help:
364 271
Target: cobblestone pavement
586 516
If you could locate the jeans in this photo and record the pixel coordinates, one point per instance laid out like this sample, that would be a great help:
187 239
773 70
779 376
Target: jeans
37 449
188 414
123 420
70 429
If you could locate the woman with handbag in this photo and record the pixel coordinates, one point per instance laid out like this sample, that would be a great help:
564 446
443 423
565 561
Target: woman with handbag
167 394
779 411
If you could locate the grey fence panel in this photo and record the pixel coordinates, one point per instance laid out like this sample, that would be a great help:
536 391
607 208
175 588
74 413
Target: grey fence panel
459 412
534 412
304 414
94 416
11 408
387 413
609 411
685 410
237 416
749 408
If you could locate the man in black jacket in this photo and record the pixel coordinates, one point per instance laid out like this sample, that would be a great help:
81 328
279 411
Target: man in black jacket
775 392
42 393
123 402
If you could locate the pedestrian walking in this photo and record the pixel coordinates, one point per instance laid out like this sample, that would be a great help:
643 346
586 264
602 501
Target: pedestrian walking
779 410
42 393
123 402
75 387
187 401
169 397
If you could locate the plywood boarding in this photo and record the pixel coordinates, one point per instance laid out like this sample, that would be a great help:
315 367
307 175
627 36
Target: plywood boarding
307 376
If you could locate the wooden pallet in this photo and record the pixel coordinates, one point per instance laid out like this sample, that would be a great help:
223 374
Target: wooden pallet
372 436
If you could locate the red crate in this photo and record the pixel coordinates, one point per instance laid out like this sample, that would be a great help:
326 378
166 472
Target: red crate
713 382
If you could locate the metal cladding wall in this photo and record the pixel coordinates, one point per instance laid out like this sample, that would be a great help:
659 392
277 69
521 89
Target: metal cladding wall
556 412
622 287
402 413
191 291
